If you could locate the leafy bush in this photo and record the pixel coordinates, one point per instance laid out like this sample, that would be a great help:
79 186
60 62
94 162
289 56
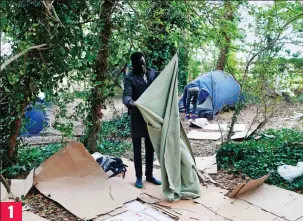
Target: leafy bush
113 147
258 158
251 98
113 136
118 128
298 99
29 158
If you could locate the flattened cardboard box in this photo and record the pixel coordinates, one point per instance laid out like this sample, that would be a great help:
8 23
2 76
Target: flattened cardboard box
74 179
4 194
248 187
198 135
20 187
207 164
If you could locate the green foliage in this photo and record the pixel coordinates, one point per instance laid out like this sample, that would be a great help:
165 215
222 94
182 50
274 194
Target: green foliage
258 158
114 148
251 98
298 99
113 136
118 128
29 158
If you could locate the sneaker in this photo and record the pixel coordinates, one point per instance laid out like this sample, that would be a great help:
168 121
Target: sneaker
139 183
187 116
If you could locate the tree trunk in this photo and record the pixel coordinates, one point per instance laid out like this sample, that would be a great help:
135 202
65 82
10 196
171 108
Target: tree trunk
227 41
16 124
100 71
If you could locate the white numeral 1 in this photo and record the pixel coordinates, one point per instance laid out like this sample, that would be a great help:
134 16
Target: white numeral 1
11 212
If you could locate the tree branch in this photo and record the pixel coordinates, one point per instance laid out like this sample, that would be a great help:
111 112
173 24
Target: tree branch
15 57
273 43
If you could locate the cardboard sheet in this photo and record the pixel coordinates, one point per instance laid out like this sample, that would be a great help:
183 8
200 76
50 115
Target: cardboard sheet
224 127
103 217
21 187
152 214
29 216
72 173
135 206
148 214
281 202
197 135
190 217
254 213
181 204
201 213
250 186
172 213
4 194
207 164
236 189
213 201
199 122
148 188
127 216
241 135
236 210
209 189
148 199
117 211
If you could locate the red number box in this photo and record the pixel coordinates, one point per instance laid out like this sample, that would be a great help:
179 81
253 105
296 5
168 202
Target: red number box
10 211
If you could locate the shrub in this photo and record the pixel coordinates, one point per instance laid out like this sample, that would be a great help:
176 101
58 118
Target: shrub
258 158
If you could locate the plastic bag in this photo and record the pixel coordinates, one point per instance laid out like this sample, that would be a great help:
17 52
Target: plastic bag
289 172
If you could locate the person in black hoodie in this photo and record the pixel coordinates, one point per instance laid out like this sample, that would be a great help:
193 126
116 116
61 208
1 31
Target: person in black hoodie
135 83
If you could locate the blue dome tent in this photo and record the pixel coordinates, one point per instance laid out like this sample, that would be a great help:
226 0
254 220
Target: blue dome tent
36 118
218 90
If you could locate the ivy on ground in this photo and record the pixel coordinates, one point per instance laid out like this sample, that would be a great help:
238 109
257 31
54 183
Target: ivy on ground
258 158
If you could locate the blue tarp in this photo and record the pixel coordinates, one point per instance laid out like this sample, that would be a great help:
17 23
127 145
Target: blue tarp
219 90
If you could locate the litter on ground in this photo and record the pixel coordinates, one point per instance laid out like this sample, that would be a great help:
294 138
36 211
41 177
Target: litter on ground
289 172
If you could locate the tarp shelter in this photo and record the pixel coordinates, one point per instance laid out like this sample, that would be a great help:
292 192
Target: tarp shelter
159 107
218 90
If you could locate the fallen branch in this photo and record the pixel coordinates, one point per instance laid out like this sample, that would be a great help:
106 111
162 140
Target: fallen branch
15 57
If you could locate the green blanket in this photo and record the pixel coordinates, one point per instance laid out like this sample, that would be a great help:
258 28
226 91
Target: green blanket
159 107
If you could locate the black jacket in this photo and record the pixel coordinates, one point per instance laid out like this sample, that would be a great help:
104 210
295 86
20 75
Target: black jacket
134 86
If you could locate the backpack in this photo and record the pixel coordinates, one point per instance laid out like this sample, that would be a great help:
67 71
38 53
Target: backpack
114 164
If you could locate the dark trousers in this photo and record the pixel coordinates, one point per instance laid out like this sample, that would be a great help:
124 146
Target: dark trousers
192 96
149 157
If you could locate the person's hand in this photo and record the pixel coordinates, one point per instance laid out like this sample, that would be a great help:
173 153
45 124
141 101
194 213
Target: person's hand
131 104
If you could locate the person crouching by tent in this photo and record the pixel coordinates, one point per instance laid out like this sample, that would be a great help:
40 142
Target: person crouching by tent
191 94
135 83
